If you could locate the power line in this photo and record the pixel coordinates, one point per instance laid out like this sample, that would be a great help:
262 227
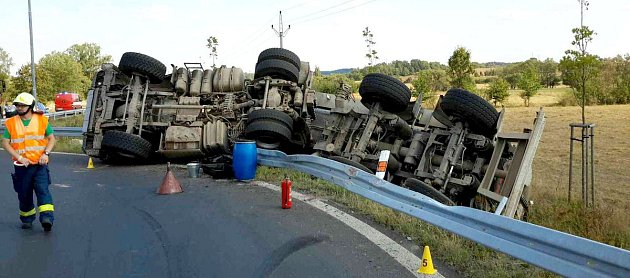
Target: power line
329 14
323 10
298 5
253 37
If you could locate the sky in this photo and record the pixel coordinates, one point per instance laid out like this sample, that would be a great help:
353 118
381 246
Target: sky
326 33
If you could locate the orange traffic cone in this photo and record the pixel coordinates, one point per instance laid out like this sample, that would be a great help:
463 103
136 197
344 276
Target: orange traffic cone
169 185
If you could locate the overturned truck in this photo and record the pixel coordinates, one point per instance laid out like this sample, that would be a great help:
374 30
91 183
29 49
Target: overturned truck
454 153
136 112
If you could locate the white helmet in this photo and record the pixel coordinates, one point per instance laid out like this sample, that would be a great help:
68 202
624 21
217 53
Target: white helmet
24 99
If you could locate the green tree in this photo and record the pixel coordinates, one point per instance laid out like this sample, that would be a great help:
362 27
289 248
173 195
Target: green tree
317 71
213 42
422 84
56 72
548 75
612 84
529 82
428 82
22 82
578 67
6 62
460 69
369 40
5 71
89 56
498 90
330 84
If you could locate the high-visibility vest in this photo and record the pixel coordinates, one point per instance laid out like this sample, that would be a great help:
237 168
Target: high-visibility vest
30 141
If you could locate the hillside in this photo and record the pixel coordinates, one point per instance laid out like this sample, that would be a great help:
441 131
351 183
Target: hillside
337 71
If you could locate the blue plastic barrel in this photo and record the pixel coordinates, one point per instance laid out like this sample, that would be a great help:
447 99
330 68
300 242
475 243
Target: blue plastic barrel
244 160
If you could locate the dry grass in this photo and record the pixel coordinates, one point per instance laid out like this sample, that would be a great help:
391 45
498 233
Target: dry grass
545 97
608 223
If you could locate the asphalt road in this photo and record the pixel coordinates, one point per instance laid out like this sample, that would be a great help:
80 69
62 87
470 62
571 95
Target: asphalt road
110 223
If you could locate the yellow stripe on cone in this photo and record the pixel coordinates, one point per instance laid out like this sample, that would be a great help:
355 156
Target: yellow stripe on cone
90 164
427 263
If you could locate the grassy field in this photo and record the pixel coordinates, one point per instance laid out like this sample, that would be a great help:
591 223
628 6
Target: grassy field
545 97
609 222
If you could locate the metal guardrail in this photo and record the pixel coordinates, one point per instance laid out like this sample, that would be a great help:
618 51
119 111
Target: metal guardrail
63 114
60 114
59 131
562 253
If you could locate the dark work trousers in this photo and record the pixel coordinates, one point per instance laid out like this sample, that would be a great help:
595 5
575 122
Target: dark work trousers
25 181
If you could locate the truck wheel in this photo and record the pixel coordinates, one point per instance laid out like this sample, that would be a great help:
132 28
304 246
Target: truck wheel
351 163
279 54
301 135
270 115
269 134
277 69
467 107
389 91
132 62
428 191
126 144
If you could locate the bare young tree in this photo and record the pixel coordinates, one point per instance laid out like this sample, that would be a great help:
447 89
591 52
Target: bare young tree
213 42
369 40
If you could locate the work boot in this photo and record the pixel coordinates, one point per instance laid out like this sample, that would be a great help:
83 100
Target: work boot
47 225
27 226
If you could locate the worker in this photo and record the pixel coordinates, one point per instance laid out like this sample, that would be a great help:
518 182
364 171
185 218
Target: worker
29 139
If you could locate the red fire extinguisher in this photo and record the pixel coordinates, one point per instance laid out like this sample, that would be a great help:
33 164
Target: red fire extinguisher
286 193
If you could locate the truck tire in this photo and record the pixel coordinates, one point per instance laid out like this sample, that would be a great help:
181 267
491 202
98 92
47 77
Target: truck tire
131 62
467 107
269 134
351 163
277 69
271 115
126 144
279 54
389 91
428 191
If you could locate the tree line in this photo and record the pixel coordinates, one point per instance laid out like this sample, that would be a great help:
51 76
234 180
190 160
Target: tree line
600 80
71 70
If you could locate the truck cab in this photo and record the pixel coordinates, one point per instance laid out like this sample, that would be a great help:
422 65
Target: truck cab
68 101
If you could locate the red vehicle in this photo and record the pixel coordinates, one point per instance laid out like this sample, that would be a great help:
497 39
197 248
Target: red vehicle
68 101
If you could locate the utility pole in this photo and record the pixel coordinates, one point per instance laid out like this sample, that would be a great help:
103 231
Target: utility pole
30 27
281 32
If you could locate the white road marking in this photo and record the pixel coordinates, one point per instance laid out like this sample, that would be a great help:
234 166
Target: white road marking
407 259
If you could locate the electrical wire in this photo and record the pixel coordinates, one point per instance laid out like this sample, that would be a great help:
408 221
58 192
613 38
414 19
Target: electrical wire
298 5
333 13
323 10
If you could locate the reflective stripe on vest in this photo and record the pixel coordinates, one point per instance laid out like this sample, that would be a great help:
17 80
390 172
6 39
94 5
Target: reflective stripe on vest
30 141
